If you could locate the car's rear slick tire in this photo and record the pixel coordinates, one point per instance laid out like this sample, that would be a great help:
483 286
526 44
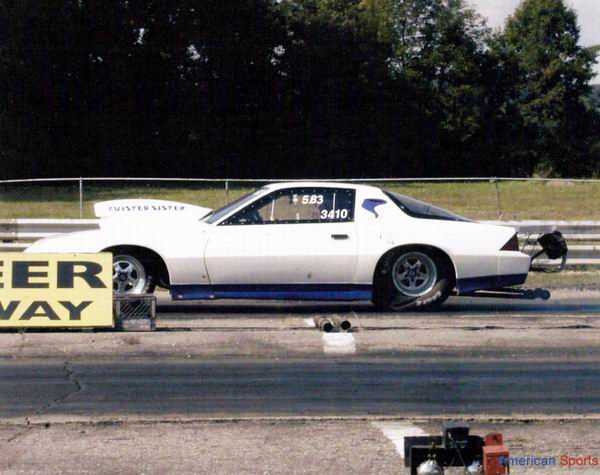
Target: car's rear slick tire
387 295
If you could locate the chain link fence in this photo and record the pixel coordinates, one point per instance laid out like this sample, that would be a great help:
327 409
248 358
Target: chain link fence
483 198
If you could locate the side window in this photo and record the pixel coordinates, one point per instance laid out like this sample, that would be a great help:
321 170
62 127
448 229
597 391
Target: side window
298 205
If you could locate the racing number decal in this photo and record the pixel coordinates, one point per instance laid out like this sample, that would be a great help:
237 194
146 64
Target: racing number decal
312 200
334 214
329 213
309 199
298 205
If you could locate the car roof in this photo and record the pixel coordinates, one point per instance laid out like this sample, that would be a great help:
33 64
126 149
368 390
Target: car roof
323 184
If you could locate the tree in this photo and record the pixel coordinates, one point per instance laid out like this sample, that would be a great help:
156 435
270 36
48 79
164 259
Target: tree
294 88
440 53
594 50
335 107
554 72
378 18
117 87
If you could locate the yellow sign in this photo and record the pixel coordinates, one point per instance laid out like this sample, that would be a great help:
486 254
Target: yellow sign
55 290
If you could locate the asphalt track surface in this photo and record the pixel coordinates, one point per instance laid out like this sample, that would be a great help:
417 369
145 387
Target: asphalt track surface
315 385
299 388
572 303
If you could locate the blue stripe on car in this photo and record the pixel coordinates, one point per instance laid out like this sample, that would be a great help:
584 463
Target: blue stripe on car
322 291
274 291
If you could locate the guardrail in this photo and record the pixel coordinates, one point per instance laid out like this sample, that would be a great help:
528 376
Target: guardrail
16 235
583 237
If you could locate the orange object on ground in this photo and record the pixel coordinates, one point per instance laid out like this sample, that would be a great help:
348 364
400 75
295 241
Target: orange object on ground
495 438
495 460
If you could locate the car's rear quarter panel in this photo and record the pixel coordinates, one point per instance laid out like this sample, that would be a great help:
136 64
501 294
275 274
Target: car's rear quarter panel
473 248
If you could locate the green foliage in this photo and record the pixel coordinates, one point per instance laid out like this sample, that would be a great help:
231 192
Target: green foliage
296 88
553 76
378 17
442 50
594 50
594 97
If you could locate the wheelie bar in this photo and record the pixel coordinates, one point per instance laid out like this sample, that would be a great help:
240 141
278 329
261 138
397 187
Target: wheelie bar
511 293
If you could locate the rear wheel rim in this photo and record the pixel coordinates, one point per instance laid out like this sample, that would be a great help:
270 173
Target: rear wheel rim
414 274
129 275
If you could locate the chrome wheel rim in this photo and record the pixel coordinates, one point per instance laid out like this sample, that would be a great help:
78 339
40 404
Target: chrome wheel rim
414 274
129 276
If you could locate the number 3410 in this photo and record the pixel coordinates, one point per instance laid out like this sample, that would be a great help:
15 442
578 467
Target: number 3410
334 214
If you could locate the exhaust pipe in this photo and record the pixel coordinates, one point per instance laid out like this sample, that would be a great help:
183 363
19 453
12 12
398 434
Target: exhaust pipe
341 323
332 324
324 324
327 326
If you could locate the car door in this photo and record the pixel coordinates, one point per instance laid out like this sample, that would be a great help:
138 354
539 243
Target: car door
300 235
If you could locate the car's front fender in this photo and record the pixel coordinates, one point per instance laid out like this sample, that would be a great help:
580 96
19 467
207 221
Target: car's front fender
179 242
77 242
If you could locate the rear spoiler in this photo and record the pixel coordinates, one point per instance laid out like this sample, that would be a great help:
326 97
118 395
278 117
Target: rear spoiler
141 207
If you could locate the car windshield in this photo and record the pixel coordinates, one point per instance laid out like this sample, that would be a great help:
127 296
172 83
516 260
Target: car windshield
420 209
225 210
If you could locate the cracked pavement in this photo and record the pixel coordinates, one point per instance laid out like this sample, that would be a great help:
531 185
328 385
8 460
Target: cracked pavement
227 388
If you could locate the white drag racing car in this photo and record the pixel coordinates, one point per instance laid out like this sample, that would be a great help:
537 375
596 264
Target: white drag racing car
303 241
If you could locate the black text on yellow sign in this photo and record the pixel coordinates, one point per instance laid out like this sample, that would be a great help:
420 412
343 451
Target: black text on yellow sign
55 290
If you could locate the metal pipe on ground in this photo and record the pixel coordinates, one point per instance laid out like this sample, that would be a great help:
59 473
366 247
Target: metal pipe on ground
341 323
324 324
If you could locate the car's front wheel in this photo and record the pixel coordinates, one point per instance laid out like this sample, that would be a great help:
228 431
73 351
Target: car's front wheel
412 278
131 276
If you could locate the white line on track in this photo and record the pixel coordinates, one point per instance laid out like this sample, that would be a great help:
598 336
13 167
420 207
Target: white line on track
339 343
396 431
309 322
